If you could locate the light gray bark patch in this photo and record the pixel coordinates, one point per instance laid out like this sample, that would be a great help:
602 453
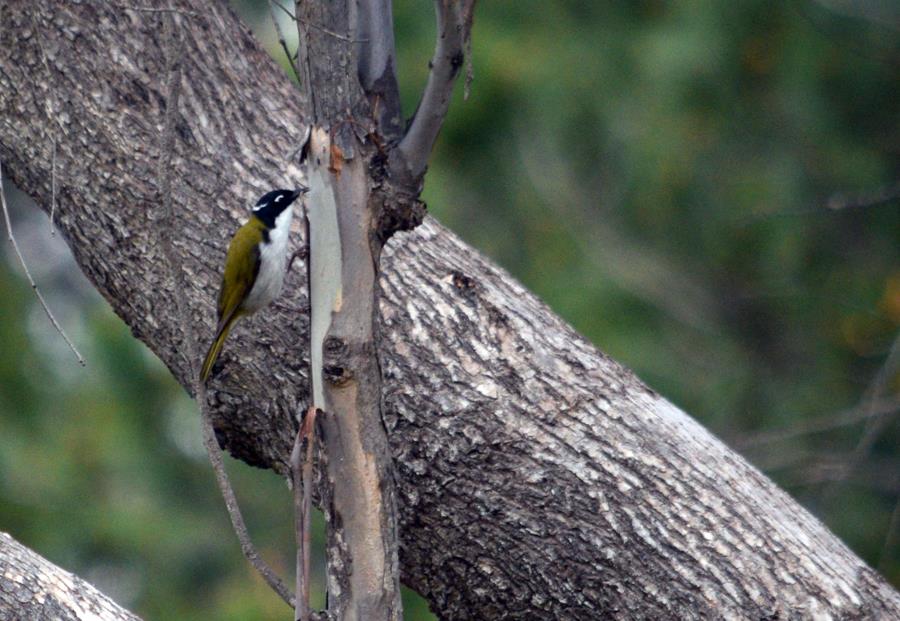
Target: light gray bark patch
33 588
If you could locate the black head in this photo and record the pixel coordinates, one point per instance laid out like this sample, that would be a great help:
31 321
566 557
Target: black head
271 204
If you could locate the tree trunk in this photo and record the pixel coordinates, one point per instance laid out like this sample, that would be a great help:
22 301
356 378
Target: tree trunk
536 478
357 482
31 587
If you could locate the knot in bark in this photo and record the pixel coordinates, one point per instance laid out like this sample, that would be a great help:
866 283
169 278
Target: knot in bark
395 199
343 360
335 361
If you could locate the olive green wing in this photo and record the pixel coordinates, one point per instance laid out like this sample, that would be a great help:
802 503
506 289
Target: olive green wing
241 268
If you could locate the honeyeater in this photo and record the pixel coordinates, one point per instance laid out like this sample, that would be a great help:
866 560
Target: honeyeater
254 265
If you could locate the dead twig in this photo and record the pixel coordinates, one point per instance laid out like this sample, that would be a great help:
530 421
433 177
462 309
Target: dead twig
821 424
890 539
830 469
301 574
144 9
470 69
28 275
302 477
53 188
875 423
167 234
330 33
284 10
292 58
231 504
874 198
314 25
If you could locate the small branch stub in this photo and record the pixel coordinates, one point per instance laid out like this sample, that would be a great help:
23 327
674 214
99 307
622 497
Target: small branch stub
395 202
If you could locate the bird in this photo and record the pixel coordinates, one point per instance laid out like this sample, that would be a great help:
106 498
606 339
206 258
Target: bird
254 266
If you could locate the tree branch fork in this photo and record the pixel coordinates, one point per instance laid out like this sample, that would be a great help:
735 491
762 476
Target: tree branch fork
356 203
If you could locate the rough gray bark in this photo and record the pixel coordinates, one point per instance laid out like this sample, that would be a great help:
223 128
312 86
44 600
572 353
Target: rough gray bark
536 477
33 588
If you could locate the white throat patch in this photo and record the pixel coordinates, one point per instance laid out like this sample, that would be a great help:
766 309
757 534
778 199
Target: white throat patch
272 257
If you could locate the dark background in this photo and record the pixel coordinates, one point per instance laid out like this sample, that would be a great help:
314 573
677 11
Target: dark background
690 184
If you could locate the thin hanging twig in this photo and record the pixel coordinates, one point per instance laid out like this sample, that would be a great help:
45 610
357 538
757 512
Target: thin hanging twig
890 539
292 58
34 286
47 103
875 424
822 424
294 18
167 234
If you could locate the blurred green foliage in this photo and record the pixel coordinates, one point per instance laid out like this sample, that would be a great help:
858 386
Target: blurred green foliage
658 172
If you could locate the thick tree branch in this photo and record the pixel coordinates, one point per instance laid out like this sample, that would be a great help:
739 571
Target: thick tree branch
454 26
31 587
535 476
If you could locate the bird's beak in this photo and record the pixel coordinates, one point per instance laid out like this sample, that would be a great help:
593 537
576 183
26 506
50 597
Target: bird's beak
301 190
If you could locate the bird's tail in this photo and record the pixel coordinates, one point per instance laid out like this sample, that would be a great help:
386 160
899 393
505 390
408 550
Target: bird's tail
216 348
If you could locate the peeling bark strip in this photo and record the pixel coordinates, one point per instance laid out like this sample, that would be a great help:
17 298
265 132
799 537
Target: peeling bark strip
536 477
33 588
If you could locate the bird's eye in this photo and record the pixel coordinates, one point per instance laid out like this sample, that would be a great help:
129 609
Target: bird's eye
278 198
